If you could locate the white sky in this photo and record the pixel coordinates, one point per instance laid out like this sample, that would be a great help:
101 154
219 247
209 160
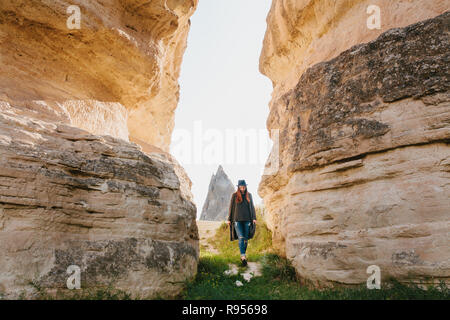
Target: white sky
221 88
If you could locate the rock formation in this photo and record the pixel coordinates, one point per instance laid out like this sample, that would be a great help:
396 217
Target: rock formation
115 75
217 200
73 189
364 130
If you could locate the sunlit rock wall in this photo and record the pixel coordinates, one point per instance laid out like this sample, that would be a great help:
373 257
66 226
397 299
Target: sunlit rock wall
117 74
73 189
364 124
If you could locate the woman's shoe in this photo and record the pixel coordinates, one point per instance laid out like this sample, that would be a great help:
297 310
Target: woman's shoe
244 262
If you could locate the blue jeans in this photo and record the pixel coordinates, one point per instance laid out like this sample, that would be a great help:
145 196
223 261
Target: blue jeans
242 230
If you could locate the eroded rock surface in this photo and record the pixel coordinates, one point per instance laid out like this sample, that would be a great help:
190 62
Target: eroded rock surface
364 143
68 197
73 189
117 74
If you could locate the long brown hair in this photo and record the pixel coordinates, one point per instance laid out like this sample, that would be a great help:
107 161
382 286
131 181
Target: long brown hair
239 195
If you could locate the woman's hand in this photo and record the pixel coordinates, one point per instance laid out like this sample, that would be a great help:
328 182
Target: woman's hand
254 221
228 222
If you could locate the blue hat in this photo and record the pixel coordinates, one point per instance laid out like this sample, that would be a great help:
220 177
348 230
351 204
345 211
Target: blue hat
241 183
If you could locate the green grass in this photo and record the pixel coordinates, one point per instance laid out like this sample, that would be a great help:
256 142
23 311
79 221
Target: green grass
260 243
279 280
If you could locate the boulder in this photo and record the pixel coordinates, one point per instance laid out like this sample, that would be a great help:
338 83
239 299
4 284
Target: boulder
86 117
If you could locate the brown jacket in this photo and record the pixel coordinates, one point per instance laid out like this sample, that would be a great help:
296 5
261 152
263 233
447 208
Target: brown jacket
231 217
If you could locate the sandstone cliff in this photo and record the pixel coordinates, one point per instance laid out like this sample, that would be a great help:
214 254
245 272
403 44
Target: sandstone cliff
115 75
73 189
364 125
217 200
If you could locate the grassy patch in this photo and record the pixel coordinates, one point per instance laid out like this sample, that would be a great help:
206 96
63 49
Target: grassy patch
260 243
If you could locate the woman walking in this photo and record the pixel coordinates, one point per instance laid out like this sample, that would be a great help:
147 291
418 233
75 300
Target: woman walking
242 218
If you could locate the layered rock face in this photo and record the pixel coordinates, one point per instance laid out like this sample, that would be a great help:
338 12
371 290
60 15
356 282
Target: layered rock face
364 139
218 198
115 75
73 189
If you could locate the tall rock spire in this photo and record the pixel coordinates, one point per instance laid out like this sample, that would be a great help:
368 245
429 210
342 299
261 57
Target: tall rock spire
220 189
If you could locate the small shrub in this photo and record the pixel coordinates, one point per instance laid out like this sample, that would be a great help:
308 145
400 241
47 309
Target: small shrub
273 266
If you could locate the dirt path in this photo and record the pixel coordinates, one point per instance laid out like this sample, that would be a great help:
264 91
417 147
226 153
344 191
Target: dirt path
206 230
